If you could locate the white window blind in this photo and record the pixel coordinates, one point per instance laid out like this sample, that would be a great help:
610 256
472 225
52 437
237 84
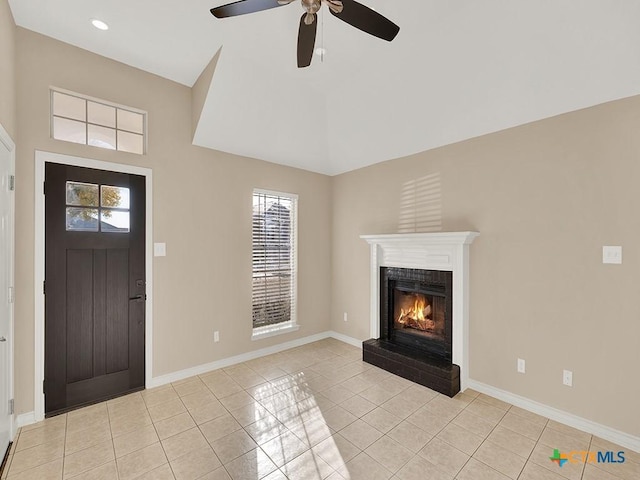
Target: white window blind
274 260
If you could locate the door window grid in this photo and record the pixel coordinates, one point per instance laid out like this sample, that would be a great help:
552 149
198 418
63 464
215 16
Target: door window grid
79 119
97 208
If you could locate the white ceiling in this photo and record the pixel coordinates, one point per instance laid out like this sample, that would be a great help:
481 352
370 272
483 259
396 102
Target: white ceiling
456 70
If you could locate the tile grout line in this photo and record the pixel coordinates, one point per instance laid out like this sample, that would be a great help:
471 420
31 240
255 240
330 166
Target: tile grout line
481 443
200 430
88 447
64 444
537 441
153 423
309 449
584 465
113 445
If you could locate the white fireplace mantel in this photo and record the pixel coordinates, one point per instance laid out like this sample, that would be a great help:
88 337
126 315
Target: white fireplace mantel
446 251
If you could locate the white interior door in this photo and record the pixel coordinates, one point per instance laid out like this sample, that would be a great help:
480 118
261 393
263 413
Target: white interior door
6 287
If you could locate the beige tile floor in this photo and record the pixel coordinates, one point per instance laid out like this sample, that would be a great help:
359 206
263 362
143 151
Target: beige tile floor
308 413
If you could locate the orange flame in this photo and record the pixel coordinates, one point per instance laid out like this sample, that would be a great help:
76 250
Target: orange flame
417 316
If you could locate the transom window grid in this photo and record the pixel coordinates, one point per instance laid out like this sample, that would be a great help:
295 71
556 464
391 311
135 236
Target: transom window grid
274 260
92 207
79 119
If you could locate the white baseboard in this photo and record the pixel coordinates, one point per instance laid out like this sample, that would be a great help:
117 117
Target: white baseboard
25 419
346 339
611 434
227 362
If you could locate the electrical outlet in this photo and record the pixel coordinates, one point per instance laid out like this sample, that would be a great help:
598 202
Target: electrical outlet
567 378
216 336
345 316
521 367
611 254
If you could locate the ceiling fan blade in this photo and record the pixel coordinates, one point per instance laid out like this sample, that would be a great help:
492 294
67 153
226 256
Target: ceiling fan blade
367 20
306 40
244 6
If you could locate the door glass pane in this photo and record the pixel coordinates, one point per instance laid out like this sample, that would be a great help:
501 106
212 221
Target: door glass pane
114 221
82 219
116 197
102 114
102 137
130 121
69 106
84 194
69 130
130 142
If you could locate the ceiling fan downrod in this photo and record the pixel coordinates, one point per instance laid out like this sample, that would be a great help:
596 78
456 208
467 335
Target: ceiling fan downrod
313 6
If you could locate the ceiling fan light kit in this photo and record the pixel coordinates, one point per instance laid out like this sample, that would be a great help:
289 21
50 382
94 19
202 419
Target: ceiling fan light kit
349 11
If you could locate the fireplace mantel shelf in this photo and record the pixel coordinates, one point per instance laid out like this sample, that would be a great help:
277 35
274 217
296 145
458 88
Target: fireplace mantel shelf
446 251
439 238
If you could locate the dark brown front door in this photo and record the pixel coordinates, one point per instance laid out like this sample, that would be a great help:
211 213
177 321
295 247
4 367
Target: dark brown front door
94 285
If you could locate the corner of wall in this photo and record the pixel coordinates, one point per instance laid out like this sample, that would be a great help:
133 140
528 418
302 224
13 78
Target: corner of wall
200 90
8 81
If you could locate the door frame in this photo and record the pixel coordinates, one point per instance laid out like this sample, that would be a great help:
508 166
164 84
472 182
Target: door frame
6 140
41 158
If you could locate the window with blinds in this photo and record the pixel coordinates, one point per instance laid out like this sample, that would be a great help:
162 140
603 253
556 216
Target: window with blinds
274 261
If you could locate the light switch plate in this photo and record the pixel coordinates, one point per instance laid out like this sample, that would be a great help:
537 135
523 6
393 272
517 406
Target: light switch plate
611 254
159 249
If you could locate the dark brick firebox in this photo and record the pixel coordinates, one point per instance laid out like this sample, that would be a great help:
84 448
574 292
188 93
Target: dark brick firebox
422 360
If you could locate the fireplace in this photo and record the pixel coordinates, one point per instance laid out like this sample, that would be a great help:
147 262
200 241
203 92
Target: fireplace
416 309
420 307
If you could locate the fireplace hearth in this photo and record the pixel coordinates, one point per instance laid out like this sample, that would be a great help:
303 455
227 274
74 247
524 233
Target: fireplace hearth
409 363
419 307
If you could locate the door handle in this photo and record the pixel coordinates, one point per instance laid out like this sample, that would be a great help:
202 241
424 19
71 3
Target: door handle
3 339
138 297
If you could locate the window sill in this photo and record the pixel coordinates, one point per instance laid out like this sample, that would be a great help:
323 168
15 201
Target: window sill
273 330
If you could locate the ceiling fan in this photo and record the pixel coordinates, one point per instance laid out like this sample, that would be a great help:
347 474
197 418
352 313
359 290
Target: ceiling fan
349 11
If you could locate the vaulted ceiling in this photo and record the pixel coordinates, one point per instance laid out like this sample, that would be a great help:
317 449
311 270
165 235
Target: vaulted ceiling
457 69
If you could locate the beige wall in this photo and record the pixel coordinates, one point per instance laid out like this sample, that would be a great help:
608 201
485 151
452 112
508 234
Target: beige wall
545 198
7 69
202 210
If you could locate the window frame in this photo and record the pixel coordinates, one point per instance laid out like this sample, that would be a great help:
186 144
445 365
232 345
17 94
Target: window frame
87 123
290 325
99 208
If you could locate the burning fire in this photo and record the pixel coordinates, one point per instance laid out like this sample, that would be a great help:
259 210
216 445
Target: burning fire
417 316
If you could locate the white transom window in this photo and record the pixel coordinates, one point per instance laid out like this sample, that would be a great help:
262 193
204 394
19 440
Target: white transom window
79 119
